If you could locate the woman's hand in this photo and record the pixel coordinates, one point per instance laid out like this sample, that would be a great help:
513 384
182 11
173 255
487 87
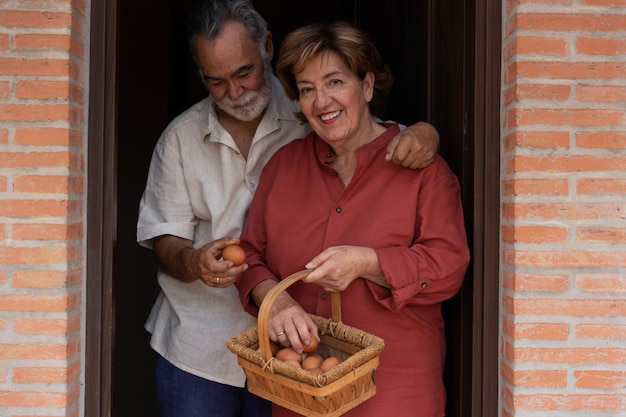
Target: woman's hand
289 324
336 267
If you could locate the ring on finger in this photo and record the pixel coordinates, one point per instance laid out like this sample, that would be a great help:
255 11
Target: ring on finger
280 333
217 280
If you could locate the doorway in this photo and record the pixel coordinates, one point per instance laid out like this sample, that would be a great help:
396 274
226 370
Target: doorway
430 47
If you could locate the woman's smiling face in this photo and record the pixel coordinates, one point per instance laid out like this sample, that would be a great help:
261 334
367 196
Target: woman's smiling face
334 100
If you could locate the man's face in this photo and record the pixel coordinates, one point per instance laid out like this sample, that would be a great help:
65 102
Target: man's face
235 72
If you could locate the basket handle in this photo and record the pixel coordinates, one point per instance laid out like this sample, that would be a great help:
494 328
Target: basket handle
268 301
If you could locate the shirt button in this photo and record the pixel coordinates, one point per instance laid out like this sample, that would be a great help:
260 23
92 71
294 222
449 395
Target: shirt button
338 209
324 296
424 285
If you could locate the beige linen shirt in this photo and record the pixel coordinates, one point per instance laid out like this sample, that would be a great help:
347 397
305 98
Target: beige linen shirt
199 187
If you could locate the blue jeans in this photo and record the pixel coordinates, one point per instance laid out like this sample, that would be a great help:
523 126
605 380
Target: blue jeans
181 394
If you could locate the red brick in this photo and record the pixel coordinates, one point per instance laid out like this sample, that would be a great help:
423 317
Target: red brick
562 210
4 41
566 163
601 140
48 303
536 282
540 331
49 184
47 231
564 117
607 3
541 45
4 89
46 375
601 46
565 402
34 112
43 41
42 279
36 67
35 351
39 279
573 355
569 307
537 378
77 48
601 331
41 159
601 282
44 136
537 139
535 186
41 326
570 70
534 234
35 19
600 379
571 22
601 186
601 234
566 259
601 93
42 90
543 92
22 208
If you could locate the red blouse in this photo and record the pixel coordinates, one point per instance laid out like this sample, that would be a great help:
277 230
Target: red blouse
414 221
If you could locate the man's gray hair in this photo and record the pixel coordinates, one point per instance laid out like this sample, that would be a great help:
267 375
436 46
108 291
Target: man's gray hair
209 17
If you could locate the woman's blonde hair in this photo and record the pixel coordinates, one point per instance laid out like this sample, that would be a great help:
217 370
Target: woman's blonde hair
350 43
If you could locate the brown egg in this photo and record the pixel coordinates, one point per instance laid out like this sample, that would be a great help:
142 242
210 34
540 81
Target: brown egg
329 363
316 370
312 346
287 354
312 361
235 254
294 363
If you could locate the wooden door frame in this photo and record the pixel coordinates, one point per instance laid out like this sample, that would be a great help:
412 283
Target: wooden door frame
101 207
485 83
484 108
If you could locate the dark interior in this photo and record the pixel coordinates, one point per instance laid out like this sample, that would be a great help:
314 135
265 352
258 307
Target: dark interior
424 43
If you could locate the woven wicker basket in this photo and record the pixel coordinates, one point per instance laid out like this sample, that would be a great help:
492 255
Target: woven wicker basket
328 394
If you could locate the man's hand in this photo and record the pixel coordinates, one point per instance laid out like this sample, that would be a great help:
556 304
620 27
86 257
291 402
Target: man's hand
414 147
177 257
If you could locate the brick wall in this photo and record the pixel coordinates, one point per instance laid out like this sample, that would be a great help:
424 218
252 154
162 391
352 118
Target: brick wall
564 211
42 153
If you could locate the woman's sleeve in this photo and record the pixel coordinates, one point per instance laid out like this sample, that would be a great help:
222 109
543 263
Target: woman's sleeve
432 269
253 241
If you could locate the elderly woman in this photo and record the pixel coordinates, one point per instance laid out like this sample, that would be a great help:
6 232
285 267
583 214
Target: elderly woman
390 239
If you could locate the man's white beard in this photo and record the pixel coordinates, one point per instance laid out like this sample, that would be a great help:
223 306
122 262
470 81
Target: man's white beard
250 105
